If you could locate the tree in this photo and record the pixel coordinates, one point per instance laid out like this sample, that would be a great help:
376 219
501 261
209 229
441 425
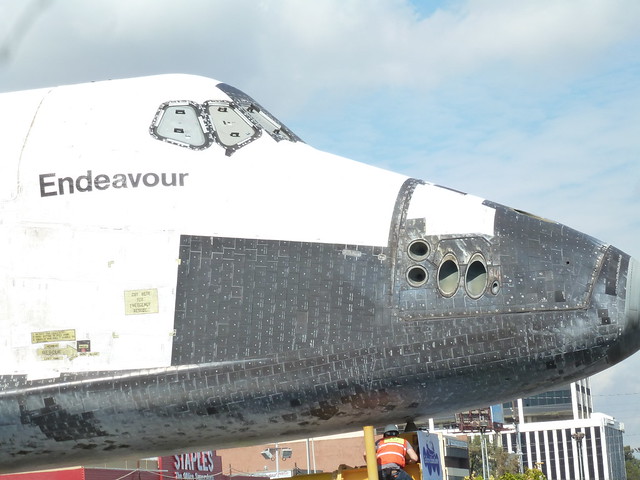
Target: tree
534 474
631 463
500 461
530 474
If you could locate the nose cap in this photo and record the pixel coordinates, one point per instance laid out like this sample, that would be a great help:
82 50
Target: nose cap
629 342
632 305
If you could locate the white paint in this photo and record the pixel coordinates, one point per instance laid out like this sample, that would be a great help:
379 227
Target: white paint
59 278
69 257
448 212
18 111
265 190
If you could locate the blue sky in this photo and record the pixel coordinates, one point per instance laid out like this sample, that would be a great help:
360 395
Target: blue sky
534 104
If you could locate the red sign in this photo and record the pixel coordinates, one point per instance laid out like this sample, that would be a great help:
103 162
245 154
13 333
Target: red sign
196 466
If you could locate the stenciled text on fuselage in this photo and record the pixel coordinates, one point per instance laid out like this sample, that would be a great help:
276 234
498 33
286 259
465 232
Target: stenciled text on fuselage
51 185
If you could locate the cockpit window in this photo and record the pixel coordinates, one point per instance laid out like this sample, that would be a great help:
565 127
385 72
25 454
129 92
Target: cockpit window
180 123
268 124
231 129
230 124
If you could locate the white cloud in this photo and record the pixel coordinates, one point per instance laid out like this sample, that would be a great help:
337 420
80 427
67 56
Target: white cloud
320 46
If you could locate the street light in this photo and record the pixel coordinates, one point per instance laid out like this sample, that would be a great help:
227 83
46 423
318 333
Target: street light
578 436
271 453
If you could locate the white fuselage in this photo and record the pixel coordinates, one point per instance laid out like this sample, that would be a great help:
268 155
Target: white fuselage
92 208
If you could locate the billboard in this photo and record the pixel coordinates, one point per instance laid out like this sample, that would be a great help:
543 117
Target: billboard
430 456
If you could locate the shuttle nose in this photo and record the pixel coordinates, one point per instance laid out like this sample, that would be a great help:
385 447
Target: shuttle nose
632 305
630 338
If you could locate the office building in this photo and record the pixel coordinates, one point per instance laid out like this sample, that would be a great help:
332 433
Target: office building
555 431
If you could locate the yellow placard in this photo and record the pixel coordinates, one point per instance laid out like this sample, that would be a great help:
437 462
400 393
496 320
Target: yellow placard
53 336
140 302
54 351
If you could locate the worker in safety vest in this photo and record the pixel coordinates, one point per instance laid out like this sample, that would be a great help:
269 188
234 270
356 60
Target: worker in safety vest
391 454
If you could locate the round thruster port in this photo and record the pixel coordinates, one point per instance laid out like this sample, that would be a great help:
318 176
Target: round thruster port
418 250
448 275
495 287
475 281
417 275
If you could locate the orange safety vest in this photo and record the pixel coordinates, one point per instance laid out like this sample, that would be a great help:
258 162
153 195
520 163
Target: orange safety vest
391 450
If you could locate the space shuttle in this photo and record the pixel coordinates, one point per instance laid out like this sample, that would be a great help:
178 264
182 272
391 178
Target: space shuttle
180 271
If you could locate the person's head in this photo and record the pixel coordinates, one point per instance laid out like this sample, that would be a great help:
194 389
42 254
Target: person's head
391 431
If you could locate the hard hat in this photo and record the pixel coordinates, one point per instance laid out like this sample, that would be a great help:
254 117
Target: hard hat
391 428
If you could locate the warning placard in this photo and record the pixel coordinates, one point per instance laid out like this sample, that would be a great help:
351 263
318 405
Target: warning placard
53 336
140 302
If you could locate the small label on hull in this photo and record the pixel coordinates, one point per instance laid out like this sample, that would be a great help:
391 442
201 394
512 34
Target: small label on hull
140 302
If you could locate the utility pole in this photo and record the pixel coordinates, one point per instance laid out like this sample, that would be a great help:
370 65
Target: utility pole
485 454
516 420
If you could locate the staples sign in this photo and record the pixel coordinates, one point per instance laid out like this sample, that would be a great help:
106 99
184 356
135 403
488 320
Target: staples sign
197 466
